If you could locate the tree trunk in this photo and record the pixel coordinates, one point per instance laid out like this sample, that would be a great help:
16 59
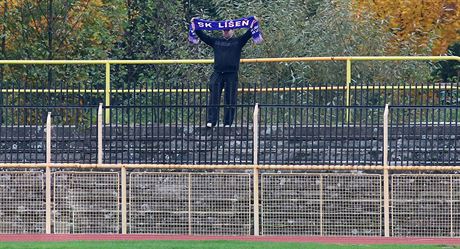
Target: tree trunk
50 40
130 40
5 9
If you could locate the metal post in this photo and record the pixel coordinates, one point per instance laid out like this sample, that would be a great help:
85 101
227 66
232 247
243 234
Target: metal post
386 181
107 92
452 232
124 204
256 169
321 206
190 221
100 155
48 176
347 94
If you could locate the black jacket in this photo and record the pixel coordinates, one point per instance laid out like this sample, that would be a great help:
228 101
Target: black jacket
227 52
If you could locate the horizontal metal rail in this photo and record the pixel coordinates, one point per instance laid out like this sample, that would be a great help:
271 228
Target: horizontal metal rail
108 89
265 89
228 167
208 61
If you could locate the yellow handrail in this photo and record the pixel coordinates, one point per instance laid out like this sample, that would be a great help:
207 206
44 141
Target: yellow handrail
208 61
108 90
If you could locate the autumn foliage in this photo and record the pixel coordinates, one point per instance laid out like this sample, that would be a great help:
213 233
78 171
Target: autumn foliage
417 24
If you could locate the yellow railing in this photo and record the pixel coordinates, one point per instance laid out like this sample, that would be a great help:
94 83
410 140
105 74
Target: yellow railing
108 90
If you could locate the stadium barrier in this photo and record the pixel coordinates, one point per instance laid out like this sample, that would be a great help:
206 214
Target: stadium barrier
287 134
256 199
346 94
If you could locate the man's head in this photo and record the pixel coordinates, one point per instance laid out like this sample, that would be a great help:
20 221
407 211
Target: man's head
227 33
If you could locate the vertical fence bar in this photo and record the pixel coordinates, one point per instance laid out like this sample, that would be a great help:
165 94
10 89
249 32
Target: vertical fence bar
321 205
256 169
107 92
452 233
190 221
124 216
386 182
48 176
347 96
100 155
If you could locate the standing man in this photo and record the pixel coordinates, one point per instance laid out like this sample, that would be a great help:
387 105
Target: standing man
227 54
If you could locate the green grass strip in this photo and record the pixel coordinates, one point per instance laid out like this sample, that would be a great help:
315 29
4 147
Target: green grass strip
199 245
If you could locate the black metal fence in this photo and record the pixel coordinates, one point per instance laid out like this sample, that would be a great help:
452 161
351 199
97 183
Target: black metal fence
74 134
321 135
288 134
23 134
424 135
22 137
155 134
195 94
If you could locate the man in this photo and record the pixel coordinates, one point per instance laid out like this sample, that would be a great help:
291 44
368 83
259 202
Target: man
227 54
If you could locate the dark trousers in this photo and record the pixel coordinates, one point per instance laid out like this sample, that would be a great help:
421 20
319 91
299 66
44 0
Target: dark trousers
217 83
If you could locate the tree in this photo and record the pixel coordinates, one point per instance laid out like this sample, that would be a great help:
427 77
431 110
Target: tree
313 28
154 30
66 29
3 12
448 70
420 25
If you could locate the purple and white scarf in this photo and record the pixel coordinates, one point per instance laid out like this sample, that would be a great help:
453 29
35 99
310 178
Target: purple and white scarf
241 23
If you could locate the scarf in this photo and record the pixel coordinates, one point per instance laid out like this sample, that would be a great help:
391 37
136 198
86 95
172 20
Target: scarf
241 23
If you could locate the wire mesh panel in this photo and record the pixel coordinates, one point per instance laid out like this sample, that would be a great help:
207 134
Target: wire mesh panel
352 205
455 206
22 202
190 203
221 204
159 203
290 204
422 205
86 202
321 204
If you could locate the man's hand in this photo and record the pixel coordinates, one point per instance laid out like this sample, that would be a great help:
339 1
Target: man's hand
253 21
193 23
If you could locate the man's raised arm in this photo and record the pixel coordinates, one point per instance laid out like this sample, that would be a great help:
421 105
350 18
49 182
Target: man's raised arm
204 37
245 38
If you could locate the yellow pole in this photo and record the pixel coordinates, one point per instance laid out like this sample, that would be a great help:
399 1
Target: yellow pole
190 220
256 169
48 176
107 92
321 206
100 155
124 202
386 180
347 96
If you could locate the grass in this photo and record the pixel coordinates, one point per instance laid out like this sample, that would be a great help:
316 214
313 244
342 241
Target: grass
199 245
